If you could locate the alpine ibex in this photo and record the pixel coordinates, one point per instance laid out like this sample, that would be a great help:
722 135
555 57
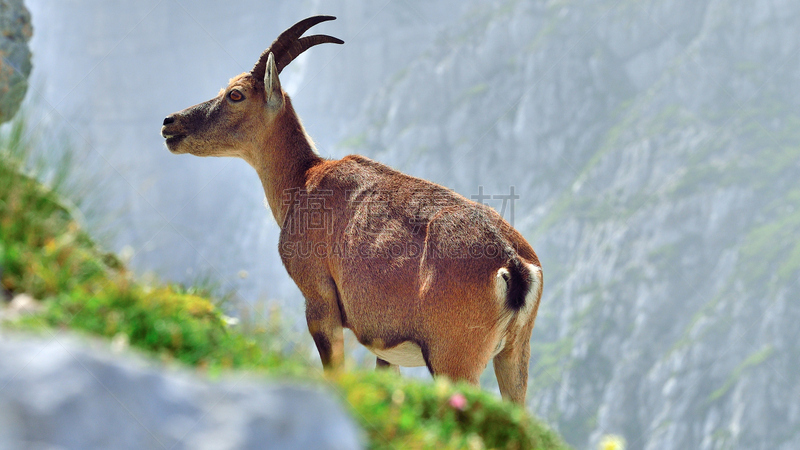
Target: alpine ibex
420 274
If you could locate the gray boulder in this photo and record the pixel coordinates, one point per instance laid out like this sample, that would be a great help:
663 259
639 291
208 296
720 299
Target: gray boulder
64 393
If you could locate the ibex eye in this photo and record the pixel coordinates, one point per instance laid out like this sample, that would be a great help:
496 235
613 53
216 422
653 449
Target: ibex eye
235 95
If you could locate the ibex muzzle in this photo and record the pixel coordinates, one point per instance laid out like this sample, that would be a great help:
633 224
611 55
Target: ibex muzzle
420 274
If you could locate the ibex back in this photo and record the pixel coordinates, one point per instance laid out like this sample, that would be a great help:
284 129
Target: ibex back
420 274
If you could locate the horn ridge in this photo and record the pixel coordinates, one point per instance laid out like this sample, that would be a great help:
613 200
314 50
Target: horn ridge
288 40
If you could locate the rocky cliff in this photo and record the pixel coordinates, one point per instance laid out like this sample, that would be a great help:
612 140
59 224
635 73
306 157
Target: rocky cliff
654 147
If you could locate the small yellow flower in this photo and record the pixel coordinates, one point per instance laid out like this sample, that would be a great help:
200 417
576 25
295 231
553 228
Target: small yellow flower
195 305
442 387
50 246
612 442
398 397
474 442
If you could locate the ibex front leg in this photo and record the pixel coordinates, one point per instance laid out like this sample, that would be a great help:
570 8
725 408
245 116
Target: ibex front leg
325 325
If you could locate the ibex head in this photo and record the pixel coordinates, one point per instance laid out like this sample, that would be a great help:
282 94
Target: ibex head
236 120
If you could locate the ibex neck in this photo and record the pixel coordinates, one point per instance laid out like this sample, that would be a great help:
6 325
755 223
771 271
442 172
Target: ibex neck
284 160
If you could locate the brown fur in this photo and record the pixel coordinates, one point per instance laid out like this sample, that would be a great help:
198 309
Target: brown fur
403 271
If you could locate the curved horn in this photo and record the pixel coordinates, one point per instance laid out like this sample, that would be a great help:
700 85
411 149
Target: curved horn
289 43
299 46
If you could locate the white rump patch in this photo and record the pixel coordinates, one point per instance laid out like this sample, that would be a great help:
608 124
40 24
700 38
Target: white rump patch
501 285
406 354
532 297
536 286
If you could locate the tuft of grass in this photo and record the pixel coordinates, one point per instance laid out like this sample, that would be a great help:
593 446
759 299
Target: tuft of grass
398 413
45 253
43 250
184 327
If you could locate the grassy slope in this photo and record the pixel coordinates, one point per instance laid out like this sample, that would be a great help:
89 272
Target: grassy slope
44 253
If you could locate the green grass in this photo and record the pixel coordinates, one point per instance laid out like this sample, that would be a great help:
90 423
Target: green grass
45 253
402 413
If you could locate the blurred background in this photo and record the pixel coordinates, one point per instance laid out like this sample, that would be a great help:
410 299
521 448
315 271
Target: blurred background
654 146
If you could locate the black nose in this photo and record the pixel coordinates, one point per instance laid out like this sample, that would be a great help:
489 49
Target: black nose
169 119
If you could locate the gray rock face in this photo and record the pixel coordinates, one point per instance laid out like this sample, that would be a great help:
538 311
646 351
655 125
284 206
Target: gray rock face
654 147
653 144
15 56
61 394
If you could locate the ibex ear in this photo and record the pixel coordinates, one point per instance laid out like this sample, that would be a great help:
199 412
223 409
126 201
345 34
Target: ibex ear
273 85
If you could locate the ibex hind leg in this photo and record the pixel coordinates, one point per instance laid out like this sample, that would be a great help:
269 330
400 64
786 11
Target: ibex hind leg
511 370
511 364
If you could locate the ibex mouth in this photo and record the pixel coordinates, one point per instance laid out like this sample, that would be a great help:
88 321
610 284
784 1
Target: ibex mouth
173 141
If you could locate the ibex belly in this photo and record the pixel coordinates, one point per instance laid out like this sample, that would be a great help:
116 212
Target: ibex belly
406 354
